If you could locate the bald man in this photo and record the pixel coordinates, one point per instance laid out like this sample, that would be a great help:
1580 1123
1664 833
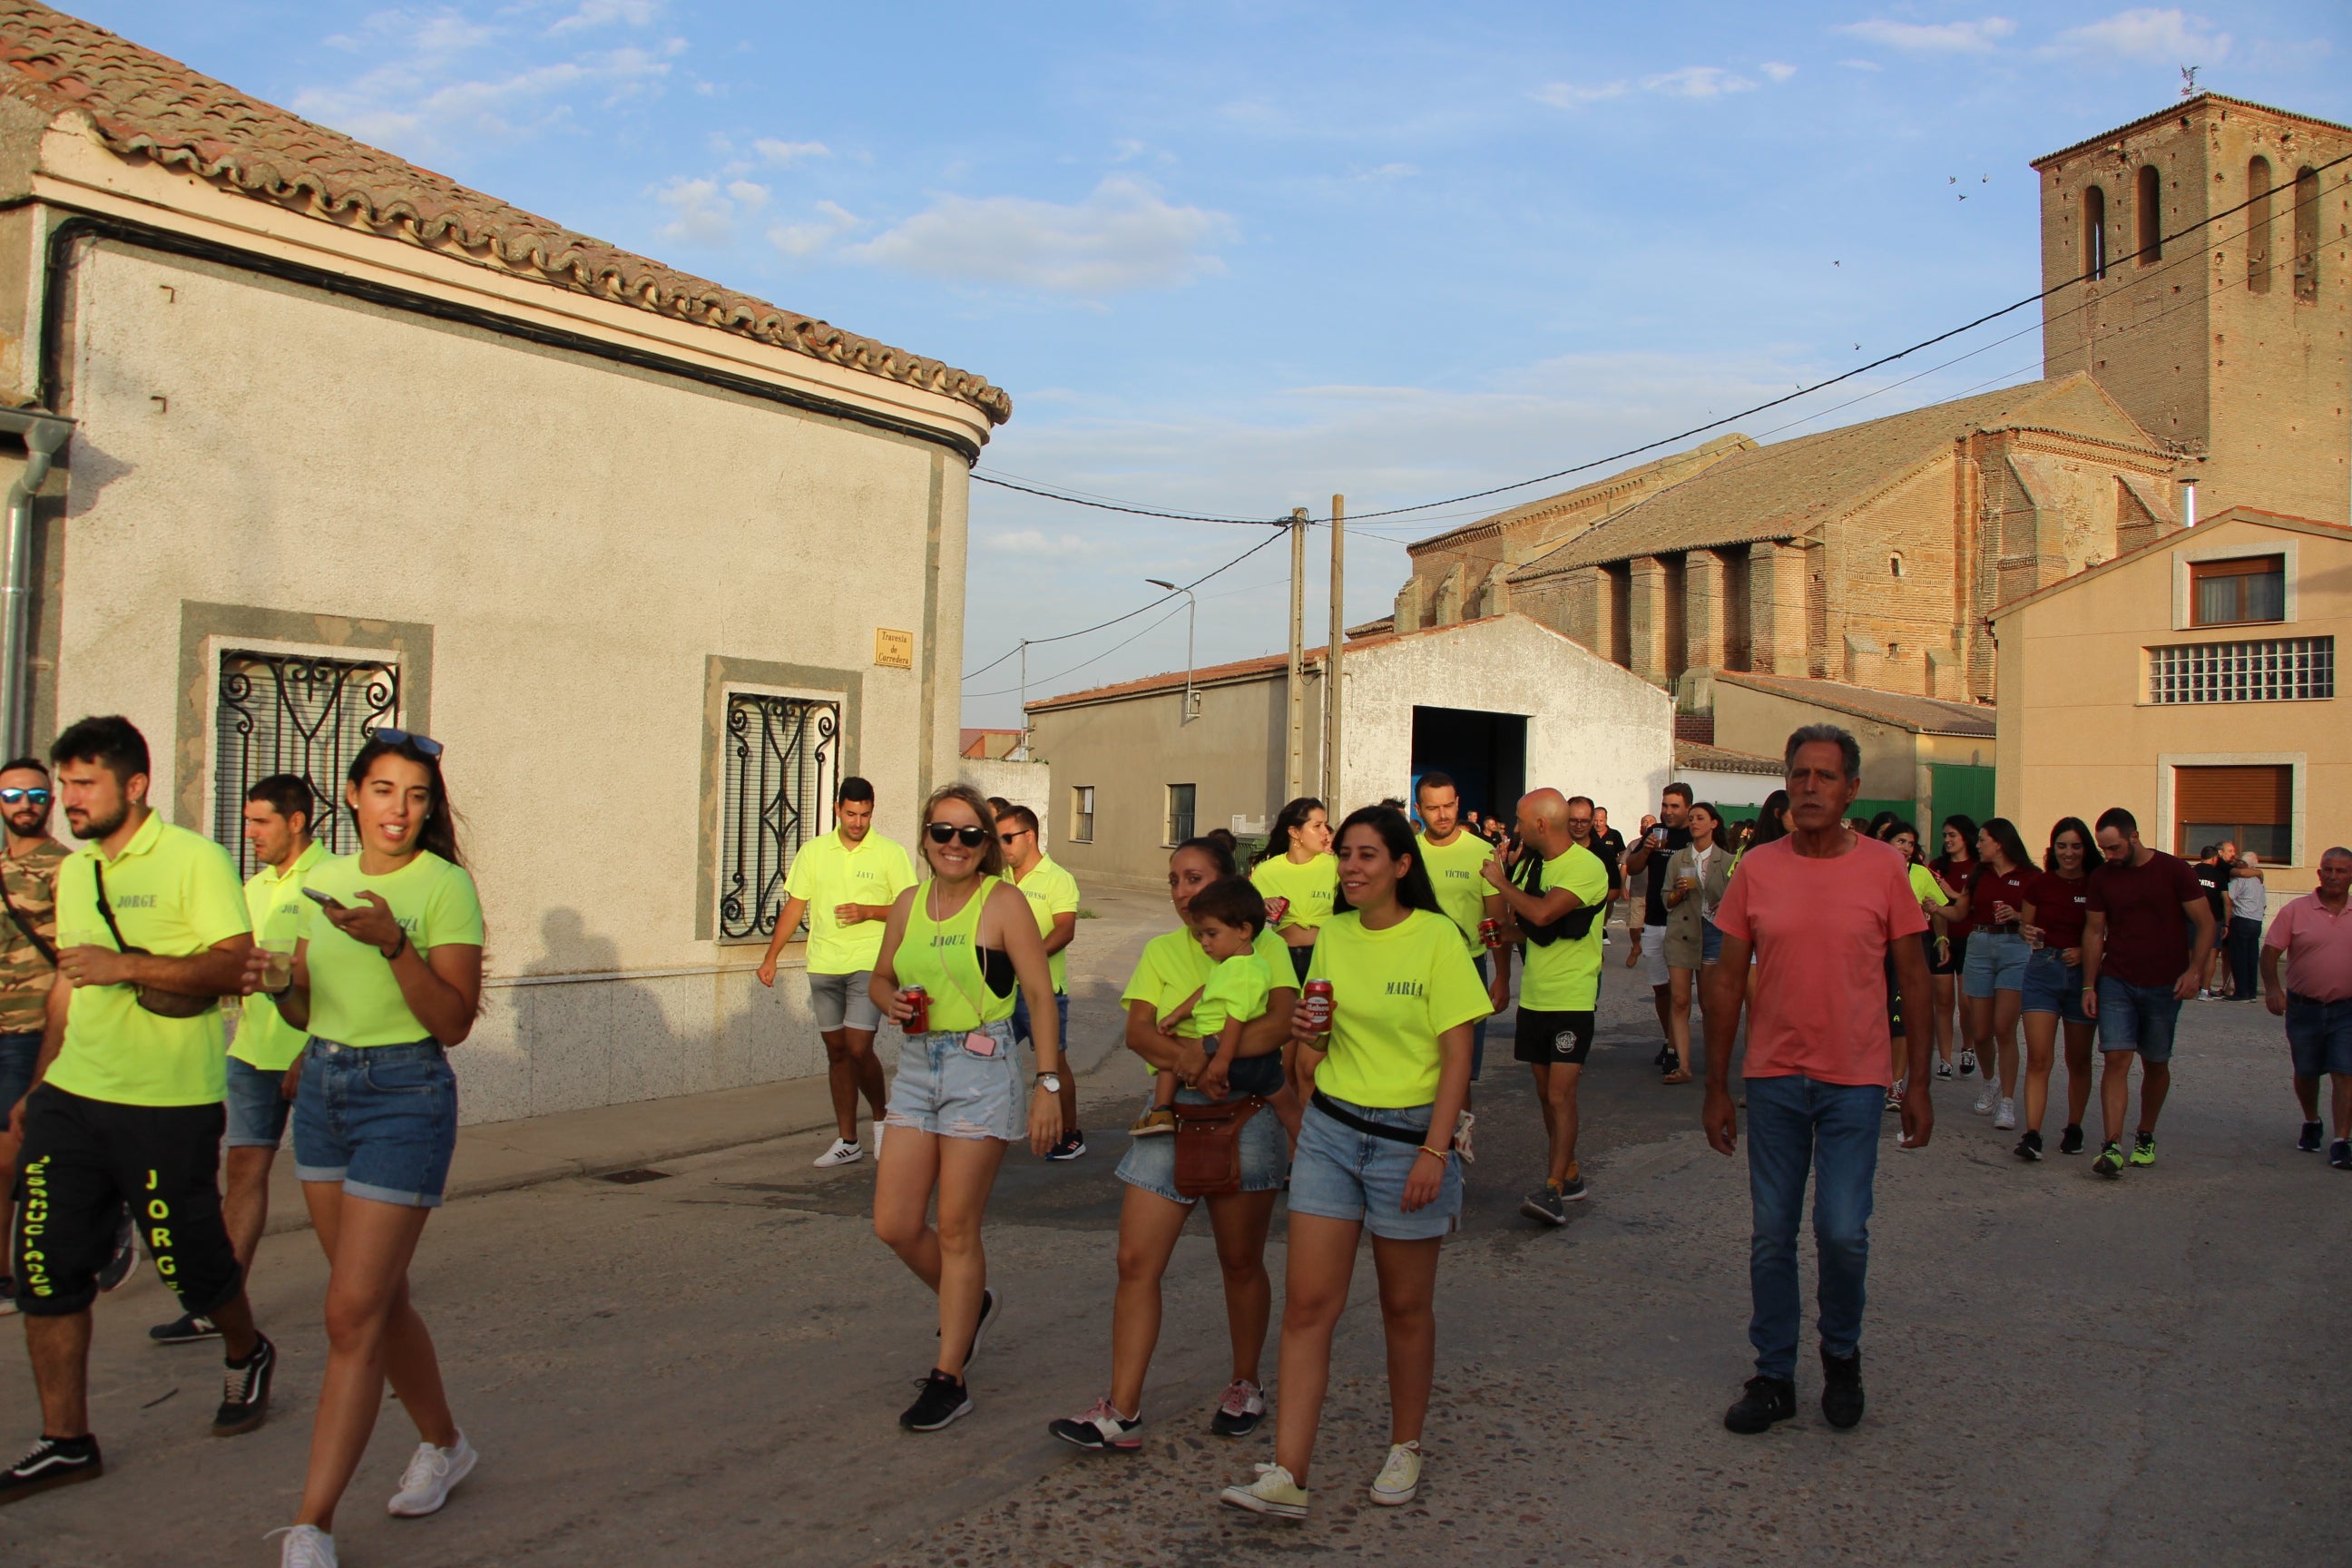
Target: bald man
1557 901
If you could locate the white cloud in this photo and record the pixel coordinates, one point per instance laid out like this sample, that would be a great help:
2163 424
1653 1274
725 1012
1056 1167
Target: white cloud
1778 71
833 222
700 213
1696 81
1122 237
1979 36
605 13
1571 95
2159 37
749 196
779 152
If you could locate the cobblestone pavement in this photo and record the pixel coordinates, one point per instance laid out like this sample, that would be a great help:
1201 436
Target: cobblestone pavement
707 1368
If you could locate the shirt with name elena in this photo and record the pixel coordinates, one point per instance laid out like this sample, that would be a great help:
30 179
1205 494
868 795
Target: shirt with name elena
1393 993
1310 886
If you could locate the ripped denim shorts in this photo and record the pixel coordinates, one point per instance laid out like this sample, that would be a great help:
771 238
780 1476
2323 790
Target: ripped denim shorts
945 1088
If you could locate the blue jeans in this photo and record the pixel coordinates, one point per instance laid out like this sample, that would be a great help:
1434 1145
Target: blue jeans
18 1055
2319 1036
1797 1124
1478 1030
2245 957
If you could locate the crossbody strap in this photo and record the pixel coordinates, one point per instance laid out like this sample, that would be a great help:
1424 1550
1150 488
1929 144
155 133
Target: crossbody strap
1346 1118
41 944
106 910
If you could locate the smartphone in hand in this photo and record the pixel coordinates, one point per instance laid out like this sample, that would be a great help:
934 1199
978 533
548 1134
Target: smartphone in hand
324 900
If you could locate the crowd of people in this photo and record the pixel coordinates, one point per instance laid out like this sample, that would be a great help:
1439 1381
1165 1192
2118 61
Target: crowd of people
1314 1025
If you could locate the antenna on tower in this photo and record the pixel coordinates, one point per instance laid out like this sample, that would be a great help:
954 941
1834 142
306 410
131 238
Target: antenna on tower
2188 80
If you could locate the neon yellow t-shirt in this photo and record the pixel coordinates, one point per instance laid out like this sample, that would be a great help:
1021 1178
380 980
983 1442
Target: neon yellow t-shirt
1051 892
173 893
274 900
1565 977
826 874
1310 886
1393 992
1172 967
1236 988
1924 887
1462 891
944 958
355 999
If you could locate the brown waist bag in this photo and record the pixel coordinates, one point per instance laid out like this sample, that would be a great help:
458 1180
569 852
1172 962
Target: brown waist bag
1209 1145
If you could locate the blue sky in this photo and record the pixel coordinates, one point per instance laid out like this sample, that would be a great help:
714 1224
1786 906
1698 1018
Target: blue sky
1236 258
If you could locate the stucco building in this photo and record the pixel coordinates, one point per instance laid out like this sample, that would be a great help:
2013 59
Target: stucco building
350 443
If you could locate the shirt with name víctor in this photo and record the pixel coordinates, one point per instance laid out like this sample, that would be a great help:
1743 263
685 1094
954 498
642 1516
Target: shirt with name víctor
355 998
1456 874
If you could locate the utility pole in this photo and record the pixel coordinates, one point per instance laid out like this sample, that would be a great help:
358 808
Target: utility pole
1294 771
1332 655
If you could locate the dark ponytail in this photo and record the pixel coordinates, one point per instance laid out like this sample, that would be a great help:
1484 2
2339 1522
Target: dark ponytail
1294 816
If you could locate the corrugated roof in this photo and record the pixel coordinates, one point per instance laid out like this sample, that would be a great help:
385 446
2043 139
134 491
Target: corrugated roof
1789 488
147 106
1698 756
2177 110
1920 715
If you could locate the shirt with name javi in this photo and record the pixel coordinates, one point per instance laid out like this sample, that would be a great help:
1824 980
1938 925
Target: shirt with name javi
826 874
1051 892
1393 993
25 971
274 903
2149 931
2317 942
1310 886
1820 927
1564 976
173 893
2060 908
1454 872
355 998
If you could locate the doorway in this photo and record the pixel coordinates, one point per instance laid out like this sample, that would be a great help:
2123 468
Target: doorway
1484 753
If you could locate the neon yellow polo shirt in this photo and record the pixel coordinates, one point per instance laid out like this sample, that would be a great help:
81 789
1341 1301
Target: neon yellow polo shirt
355 998
826 874
274 903
1393 992
1566 976
1453 872
1050 891
175 893
1311 888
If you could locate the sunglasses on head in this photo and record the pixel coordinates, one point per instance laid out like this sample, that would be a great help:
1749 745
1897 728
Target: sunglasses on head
424 745
15 796
970 836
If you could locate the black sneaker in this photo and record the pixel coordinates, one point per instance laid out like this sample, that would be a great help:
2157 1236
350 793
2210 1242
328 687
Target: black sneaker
126 1251
1240 1411
1943 1070
2030 1146
1546 1203
2339 1154
1842 1389
944 1399
1768 1400
1673 1063
1967 1062
8 1297
1072 1145
185 1329
51 1462
2071 1141
1574 1190
244 1391
2312 1134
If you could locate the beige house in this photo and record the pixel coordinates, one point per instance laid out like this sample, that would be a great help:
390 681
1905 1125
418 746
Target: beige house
2193 682
1921 756
350 443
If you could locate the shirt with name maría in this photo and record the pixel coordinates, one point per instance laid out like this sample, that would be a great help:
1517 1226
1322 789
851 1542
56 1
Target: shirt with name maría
967 986
1172 967
1310 886
1456 874
1565 975
355 997
826 874
1393 993
273 898
1051 892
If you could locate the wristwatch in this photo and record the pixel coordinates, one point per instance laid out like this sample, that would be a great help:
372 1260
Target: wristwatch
1051 1082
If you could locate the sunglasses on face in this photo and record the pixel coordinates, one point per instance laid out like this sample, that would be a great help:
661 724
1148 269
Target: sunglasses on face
426 745
17 796
1009 837
970 836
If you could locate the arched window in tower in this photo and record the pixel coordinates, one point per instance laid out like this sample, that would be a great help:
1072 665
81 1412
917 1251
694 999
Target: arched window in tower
2094 233
2306 235
2149 212
2257 226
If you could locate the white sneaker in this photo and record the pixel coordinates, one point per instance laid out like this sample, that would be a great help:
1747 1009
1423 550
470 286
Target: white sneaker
1987 1098
1274 1492
306 1546
2006 1116
431 1475
845 1151
1400 1478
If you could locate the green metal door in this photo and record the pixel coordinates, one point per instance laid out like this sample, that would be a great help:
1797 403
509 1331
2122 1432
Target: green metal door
1955 788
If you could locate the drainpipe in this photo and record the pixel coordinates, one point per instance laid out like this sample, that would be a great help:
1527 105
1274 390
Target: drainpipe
45 438
2189 502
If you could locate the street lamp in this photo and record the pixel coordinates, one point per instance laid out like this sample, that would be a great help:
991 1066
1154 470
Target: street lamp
1191 607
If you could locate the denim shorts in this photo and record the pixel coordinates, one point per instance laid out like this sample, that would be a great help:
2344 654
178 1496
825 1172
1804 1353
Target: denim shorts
1339 1173
1151 1163
2319 1036
257 1106
2137 1018
842 1001
944 1088
19 1053
1710 941
1021 1027
381 1120
2054 986
1996 962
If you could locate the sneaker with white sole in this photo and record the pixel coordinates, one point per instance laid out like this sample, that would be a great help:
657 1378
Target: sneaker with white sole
1987 1098
431 1475
1100 1430
2005 1119
1273 1493
306 1546
1240 1411
1400 1478
845 1151
1967 1060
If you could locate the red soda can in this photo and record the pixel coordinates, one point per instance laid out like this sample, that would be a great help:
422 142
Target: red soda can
1490 932
1275 909
1315 1001
918 1022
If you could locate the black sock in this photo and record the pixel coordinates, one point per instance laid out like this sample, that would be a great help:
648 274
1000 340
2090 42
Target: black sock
75 1446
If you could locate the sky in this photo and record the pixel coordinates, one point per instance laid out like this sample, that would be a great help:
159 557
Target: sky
1237 258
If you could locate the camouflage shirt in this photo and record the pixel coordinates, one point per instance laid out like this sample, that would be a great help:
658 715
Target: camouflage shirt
31 881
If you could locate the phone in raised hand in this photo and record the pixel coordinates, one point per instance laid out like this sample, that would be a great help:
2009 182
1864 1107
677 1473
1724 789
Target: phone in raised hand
324 900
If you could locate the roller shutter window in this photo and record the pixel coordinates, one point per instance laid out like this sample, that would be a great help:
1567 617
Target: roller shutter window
2237 592
2253 807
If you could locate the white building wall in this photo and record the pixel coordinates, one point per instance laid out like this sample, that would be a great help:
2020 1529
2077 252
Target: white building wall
1729 789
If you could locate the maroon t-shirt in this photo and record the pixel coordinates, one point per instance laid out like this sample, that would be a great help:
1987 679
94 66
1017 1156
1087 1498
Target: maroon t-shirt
2147 927
1955 874
1989 887
2060 908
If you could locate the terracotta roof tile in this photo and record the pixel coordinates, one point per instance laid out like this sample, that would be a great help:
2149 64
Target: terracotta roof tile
1921 715
1696 756
144 105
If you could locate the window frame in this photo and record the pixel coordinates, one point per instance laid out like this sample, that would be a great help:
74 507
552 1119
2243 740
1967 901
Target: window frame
2236 569
1191 818
1082 814
2168 766
218 647
830 768
2188 557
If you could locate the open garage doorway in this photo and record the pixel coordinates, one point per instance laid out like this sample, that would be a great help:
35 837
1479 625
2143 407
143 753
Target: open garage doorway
1484 753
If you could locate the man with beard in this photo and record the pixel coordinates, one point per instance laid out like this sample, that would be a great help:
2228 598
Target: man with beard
1658 843
28 951
126 1099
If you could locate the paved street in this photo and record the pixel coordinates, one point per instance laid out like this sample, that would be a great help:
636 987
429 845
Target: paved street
707 1368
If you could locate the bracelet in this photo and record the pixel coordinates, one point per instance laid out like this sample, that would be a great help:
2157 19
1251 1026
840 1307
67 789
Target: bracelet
1441 1153
396 947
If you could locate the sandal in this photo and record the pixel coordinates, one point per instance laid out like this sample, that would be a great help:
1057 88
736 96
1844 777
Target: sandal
1680 1075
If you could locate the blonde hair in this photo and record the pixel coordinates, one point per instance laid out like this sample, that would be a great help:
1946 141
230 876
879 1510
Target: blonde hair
992 854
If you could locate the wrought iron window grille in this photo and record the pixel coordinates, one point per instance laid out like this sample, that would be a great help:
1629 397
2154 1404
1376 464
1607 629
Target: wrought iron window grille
294 714
782 754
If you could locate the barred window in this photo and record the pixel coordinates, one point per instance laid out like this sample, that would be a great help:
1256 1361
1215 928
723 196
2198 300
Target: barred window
2279 670
293 713
782 757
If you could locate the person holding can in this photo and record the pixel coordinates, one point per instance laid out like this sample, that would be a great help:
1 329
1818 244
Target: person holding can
1387 1078
1297 877
953 950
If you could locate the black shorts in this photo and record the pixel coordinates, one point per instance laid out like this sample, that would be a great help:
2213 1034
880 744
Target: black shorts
84 1158
1553 1040
1300 957
1949 965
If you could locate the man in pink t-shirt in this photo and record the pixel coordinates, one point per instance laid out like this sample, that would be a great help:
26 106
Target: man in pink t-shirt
2313 935
1821 911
